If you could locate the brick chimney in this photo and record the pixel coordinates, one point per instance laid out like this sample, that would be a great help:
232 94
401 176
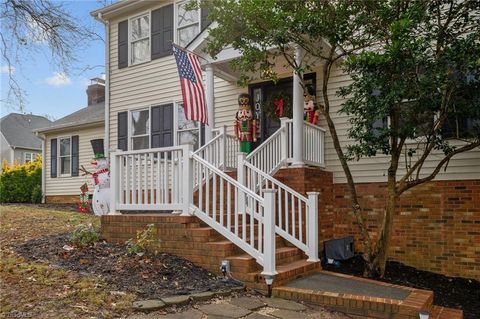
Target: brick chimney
96 91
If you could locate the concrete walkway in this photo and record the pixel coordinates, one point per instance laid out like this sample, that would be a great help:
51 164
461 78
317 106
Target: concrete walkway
248 307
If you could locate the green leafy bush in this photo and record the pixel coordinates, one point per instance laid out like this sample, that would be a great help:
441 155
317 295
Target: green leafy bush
37 194
145 241
21 183
85 235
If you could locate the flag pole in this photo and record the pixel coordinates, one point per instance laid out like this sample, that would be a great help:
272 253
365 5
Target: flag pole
183 49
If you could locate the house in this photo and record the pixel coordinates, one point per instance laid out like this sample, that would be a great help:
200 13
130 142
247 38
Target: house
163 163
67 147
18 141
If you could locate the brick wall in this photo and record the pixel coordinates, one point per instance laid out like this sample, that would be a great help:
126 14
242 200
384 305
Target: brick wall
437 224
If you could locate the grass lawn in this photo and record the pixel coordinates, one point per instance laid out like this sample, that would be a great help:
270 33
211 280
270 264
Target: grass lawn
37 290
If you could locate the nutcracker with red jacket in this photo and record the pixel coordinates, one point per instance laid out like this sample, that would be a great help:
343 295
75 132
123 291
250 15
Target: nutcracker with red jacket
245 124
309 112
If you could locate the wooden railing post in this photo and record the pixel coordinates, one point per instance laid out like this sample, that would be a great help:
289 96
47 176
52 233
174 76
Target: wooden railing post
269 235
223 148
284 138
312 226
187 179
114 168
242 179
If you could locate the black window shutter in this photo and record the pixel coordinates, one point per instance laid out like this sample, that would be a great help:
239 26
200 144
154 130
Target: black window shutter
204 20
53 157
162 32
75 155
123 44
162 126
122 131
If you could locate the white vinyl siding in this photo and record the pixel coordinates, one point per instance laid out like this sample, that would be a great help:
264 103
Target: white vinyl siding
71 185
157 83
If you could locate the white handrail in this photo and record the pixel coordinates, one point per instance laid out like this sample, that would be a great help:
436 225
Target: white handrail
297 219
221 150
313 145
216 203
268 157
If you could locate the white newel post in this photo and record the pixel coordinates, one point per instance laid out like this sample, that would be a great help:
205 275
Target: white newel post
269 235
187 179
113 182
312 226
284 138
223 148
241 178
298 112
209 92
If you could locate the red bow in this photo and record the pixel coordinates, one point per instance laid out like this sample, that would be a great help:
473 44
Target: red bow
278 107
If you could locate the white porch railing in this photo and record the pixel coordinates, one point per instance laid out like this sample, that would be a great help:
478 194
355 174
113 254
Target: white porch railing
221 151
147 179
313 145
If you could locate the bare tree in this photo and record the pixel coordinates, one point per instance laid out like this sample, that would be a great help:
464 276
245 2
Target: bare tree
34 27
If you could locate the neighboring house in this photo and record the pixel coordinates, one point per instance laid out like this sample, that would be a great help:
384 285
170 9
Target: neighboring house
19 144
67 147
144 111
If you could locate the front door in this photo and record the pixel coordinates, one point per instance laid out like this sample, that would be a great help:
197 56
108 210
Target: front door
263 95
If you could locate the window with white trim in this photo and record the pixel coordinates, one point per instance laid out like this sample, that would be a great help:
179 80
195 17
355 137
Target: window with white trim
29 157
139 39
188 24
188 131
140 129
65 156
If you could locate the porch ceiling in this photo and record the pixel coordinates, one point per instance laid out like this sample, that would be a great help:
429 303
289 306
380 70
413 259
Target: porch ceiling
221 61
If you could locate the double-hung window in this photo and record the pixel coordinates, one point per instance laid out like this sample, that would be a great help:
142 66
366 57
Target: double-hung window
188 24
188 132
29 157
140 39
65 155
140 129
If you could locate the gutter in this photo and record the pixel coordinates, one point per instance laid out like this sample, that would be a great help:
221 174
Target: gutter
106 133
44 164
69 126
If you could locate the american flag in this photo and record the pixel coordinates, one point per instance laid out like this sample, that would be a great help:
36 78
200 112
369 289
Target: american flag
193 93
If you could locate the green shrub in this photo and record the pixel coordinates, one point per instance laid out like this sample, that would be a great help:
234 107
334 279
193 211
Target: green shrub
85 235
145 241
19 182
37 194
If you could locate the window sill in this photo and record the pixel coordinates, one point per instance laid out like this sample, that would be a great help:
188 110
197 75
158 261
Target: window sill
139 63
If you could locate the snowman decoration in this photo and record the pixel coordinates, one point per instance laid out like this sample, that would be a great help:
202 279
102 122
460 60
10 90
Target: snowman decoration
101 179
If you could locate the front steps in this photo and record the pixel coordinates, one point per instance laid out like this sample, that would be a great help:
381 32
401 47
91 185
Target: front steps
188 237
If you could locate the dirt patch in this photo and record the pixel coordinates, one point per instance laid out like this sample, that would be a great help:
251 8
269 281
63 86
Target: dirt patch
452 292
152 277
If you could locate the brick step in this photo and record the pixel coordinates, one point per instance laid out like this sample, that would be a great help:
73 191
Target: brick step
439 312
246 263
361 301
285 273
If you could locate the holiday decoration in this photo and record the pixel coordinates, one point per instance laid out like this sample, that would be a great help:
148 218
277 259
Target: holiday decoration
309 112
101 179
84 203
278 105
245 124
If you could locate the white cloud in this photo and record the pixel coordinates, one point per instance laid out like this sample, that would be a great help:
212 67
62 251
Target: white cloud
58 79
5 69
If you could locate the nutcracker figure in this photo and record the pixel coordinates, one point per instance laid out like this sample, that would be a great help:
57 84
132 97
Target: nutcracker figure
309 112
245 124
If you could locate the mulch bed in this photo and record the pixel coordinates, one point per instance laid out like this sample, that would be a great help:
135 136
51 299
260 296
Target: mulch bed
149 277
452 292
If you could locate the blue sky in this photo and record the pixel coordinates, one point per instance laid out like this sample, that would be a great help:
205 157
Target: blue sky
49 91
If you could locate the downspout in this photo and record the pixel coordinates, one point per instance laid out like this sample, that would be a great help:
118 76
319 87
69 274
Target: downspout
107 85
44 164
